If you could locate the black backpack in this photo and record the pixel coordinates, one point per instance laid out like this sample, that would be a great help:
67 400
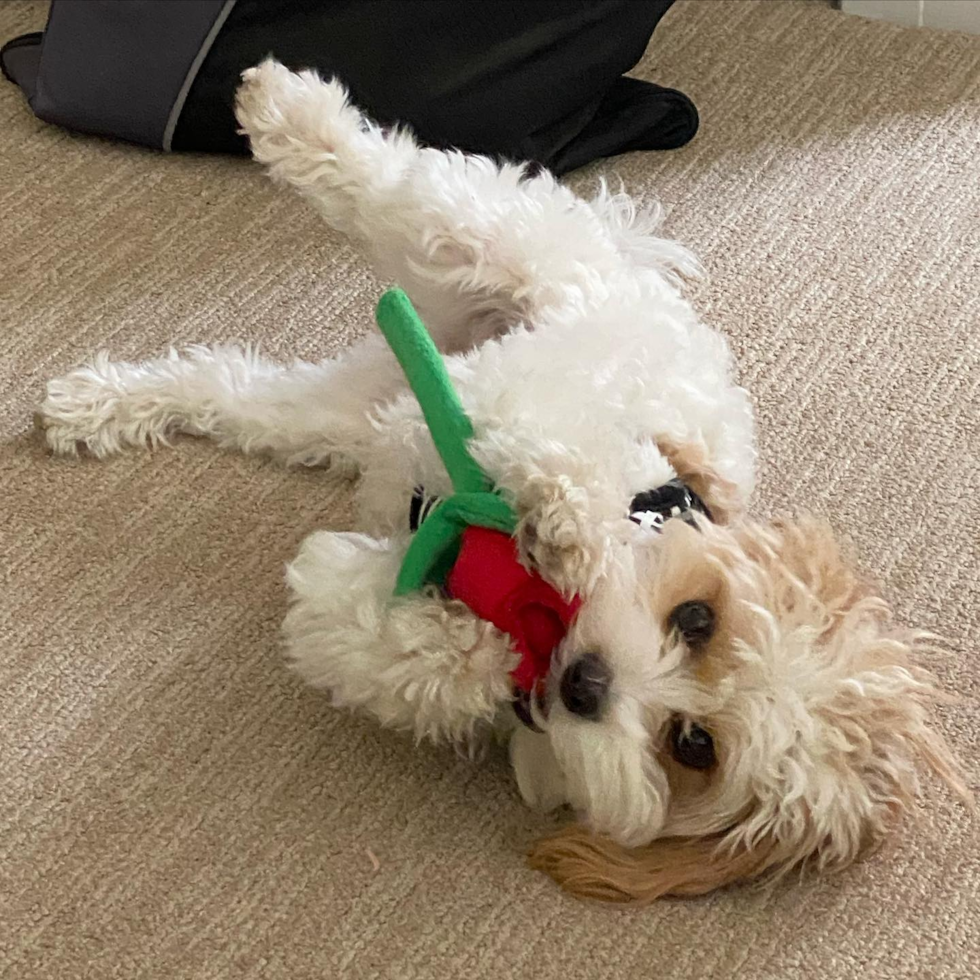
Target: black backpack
520 80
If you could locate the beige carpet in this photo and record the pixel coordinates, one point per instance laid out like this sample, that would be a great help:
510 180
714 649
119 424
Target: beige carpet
174 805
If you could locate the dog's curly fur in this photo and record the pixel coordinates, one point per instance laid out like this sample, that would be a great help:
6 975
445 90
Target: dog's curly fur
588 378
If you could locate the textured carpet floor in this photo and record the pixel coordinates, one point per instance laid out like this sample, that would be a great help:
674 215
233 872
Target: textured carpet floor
174 805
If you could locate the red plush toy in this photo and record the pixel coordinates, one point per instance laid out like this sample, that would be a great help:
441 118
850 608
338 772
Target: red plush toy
490 579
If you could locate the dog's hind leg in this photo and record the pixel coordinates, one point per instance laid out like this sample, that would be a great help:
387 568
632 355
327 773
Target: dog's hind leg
478 246
418 662
302 413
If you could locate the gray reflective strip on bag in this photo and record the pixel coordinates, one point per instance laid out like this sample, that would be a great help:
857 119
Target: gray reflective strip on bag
123 68
178 106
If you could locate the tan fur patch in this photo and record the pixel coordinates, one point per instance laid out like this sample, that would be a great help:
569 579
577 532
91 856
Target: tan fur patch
593 867
692 464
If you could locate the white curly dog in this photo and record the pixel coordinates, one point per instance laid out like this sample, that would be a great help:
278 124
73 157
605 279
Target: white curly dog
731 701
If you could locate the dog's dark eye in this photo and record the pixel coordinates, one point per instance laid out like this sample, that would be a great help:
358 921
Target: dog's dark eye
692 747
695 621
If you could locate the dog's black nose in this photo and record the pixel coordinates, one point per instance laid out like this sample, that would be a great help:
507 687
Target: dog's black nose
585 685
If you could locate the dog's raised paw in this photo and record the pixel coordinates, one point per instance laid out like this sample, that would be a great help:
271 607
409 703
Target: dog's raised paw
555 535
295 110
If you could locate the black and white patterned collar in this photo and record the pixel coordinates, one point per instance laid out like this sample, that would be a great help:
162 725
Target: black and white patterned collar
651 509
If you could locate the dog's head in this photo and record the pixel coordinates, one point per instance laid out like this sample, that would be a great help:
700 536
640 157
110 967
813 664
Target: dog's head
732 702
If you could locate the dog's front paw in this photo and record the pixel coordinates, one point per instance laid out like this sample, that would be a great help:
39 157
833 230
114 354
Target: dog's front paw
555 535
81 410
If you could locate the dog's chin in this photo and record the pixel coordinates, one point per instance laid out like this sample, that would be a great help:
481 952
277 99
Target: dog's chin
611 783
601 770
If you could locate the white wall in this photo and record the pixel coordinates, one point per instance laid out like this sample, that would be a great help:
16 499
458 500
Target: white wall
952 15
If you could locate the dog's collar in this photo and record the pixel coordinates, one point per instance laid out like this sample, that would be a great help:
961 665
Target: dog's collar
651 509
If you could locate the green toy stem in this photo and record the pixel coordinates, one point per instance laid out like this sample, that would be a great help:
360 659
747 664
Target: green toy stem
436 543
423 366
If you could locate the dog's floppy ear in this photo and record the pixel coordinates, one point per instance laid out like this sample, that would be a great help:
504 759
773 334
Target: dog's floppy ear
597 867
691 462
